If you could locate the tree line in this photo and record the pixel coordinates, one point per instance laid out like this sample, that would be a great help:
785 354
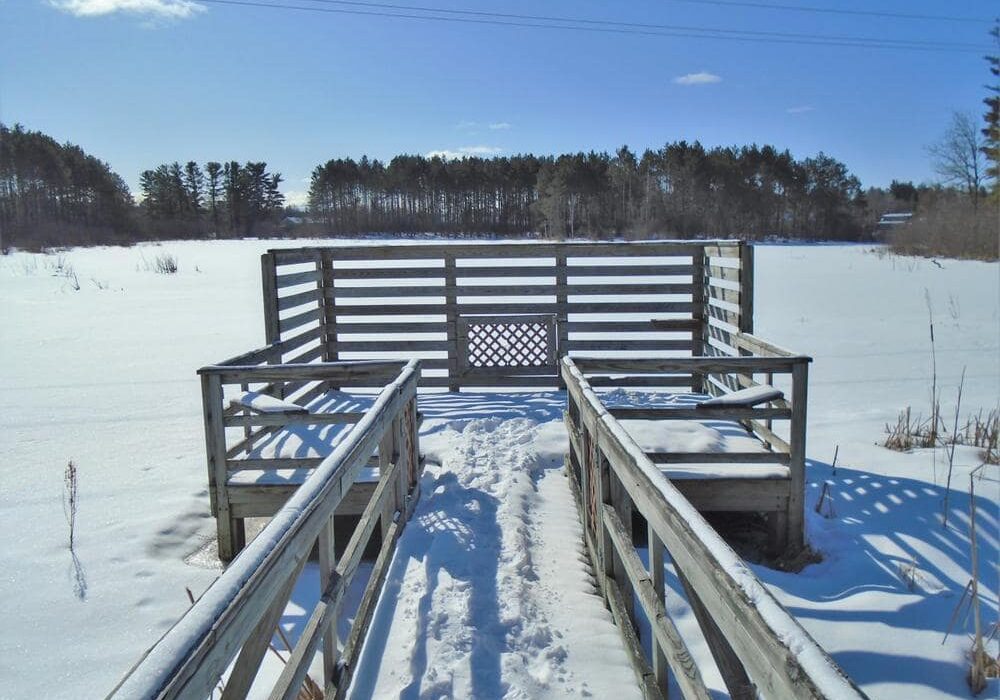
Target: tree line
48 188
682 189
221 199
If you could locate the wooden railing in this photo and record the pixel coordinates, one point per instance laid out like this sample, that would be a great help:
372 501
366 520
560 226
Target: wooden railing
619 299
757 646
236 617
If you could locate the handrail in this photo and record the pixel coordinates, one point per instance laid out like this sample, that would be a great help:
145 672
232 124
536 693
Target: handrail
191 657
754 631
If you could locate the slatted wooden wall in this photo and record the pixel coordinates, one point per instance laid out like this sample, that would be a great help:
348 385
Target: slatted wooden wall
636 299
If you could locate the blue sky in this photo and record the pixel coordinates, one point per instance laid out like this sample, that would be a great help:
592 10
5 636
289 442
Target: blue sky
142 82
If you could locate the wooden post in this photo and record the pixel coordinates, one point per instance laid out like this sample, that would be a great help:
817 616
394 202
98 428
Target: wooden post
327 569
734 675
231 532
451 318
562 317
746 287
699 300
325 284
797 448
656 578
269 285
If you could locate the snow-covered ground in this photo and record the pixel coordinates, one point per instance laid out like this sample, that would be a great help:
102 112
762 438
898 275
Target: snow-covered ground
104 376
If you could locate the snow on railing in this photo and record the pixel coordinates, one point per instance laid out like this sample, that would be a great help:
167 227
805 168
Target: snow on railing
236 617
757 645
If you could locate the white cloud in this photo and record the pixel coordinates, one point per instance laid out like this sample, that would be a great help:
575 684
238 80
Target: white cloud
466 125
296 198
162 9
500 126
702 78
800 110
465 152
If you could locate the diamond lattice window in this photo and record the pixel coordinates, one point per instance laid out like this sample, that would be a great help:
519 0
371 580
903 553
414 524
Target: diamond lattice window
499 342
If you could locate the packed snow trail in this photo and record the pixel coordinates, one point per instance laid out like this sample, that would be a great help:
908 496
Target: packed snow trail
490 594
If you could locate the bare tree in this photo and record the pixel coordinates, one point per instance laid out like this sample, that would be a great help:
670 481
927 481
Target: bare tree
958 156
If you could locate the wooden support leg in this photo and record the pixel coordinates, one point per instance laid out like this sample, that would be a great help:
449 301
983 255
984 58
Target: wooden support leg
656 577
733 674
777 532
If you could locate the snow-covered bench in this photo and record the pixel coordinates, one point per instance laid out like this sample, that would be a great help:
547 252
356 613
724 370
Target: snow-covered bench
269 426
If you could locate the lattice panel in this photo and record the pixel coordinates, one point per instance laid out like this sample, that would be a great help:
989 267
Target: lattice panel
499 342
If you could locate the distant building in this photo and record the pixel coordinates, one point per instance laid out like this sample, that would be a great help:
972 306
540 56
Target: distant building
891 221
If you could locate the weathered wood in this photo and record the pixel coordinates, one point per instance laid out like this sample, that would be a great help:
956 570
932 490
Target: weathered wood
292 322
667 637
797 446
294 279
192 656
755 624
751 343
734 674
700 413
272 331
299 299
746 287
248 662
778 365
719 457
656 578
363 617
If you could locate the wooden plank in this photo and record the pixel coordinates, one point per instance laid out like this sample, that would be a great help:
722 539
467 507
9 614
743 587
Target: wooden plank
229 538
348 417
735 495
394 344
520 271
272 329
240 374
530 249
678 324
703 413
719 458
797 443
641 344
513 289
299 299
751 619
734 674
293 279
686 364
455 344
746 287
216 628
507 308
389 326
363 616
667 636
646 381
755 345
656 578
248 662
293 322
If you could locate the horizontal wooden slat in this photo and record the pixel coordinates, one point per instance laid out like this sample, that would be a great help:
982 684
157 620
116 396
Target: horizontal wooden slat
389 325
641 381
530 249
393 345
292 419
705 413
778 365
719 458
511 290
293 322
645 344
293 279
503 308
293 300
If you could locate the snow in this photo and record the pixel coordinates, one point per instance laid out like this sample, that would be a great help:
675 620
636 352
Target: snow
490 593
751 396
105 376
